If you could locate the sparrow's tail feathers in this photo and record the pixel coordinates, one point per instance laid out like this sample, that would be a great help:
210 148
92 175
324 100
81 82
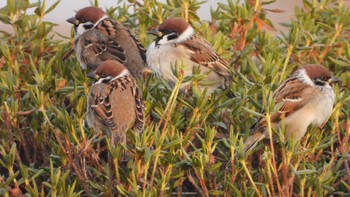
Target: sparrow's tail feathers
252 141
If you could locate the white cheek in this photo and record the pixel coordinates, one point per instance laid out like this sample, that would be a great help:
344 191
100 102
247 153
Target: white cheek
164 40
80 30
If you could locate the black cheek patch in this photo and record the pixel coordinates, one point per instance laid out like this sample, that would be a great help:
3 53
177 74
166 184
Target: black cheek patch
88 26
172 36
319 82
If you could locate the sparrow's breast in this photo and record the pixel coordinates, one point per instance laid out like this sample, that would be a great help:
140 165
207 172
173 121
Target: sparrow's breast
163 58
324 102
314 112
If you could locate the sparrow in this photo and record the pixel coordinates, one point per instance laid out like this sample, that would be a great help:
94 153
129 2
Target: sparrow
114 102
177 43
306 97
98 38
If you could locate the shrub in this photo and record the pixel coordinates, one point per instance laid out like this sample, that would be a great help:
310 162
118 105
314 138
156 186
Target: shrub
46 148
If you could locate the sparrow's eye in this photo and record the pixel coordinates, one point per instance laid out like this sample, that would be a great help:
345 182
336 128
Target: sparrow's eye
323 78
166 32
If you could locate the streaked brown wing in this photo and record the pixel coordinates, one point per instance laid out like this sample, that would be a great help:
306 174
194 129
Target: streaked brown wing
139 45
290 94
294 94
204 54
139 108
103 47
116 29
100 104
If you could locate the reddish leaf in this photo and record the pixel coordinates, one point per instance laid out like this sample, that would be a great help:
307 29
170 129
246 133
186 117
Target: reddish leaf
261 24
2 62
275 10
62 84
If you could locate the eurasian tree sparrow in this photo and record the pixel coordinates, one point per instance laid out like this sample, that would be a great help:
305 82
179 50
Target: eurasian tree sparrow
177 43
307 99
98 38
114 102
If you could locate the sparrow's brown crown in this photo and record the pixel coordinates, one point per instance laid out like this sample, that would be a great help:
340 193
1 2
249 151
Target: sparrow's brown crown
110 68
91 14
176 25
315 71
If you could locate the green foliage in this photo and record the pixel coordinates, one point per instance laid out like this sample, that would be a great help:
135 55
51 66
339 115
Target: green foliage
46 148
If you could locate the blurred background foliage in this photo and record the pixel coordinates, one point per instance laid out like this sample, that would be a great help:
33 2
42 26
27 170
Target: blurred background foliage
46 148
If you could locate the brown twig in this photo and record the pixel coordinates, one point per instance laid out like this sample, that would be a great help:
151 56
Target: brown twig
180 187
27 112
193 182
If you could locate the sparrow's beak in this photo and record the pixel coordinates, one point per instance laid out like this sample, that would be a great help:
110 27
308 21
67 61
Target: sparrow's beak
156 33
94 76
334 80
73 20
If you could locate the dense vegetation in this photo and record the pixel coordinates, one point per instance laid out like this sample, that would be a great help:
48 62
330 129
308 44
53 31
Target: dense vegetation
47 149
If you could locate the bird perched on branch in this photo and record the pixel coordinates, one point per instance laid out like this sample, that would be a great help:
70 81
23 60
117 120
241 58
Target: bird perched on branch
99 38
177 44
306 97
114 102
